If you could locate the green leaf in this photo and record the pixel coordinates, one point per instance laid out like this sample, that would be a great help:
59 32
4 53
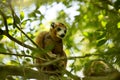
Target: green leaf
24 62
16 19
100 34
25 21
28 59
27 51
21 15
2 49
101 42
1 36
14 62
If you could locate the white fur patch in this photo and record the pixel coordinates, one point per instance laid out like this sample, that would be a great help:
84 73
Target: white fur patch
59 33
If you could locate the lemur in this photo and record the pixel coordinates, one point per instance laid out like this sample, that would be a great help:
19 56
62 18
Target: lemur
52 42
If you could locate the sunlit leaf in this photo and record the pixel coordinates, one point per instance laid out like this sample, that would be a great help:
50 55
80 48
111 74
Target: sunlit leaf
103 23
118 25
85 33
10 21
21 15
100 17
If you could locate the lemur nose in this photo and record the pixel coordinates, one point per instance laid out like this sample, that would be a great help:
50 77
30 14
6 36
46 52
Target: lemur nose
62 35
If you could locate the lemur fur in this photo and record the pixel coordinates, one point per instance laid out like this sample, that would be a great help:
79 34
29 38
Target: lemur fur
52 41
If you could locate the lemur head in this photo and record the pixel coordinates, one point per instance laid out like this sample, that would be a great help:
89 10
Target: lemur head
58 30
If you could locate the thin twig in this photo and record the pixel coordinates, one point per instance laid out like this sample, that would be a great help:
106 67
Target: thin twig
70 58
4 20
21 55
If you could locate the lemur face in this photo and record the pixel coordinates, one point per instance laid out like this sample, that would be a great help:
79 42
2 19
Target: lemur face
60 29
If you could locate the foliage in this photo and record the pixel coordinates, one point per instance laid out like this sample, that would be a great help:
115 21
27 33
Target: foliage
93 30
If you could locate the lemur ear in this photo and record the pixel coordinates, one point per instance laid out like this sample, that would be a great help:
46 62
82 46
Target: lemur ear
53 24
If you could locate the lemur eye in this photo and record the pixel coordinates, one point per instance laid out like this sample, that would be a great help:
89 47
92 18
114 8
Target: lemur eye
65 31
58 29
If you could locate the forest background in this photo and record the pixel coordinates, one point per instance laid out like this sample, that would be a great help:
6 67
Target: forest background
92 42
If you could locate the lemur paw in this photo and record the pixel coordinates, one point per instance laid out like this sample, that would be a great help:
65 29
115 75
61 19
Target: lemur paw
51 55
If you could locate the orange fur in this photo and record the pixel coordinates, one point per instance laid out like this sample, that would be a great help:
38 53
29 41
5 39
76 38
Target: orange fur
49 41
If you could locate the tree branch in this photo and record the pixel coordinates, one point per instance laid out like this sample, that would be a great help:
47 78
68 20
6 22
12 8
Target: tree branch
28 73
19 42
6 33
1 32
52 61
20 55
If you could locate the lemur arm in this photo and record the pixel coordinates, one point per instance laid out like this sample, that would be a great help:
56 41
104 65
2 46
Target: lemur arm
49 46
